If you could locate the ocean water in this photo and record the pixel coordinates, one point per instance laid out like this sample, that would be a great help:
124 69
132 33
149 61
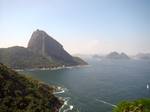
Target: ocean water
99 86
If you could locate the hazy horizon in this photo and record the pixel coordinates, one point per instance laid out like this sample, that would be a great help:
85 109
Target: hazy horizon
81 26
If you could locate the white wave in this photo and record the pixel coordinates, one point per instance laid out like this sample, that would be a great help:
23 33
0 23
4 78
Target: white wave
70 108
59 87
60 90
102 101
65 103
65 107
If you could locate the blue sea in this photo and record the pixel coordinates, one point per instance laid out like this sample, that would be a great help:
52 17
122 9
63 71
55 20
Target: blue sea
99 86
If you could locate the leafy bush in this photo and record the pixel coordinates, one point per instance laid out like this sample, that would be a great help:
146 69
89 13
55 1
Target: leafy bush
141 105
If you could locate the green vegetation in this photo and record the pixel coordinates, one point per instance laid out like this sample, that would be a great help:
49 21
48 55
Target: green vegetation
21 94
20 58
142 105
23 58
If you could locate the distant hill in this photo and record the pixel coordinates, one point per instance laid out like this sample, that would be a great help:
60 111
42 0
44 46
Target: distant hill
144 56
97 56
115 55
21 94
42 51
20 57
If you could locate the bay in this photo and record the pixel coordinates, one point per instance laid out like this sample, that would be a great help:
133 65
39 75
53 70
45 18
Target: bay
99 86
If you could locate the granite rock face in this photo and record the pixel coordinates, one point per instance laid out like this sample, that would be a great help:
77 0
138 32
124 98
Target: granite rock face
45 45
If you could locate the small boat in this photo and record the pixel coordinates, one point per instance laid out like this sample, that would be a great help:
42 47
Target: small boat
147 86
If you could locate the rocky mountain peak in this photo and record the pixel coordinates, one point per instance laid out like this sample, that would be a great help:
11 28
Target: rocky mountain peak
43 51
44 44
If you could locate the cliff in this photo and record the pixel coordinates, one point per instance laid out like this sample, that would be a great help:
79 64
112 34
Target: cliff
45 45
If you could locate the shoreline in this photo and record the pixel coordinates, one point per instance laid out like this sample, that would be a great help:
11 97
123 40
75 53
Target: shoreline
52 69
61 90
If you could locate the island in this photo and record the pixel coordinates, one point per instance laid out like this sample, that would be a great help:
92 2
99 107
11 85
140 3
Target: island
116 55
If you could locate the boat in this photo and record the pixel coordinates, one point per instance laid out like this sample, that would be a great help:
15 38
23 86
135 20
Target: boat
147 86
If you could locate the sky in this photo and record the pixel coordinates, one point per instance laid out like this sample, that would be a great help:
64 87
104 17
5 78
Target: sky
81 26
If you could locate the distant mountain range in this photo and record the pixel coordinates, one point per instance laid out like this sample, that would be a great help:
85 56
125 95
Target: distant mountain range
113 55
143 56
42 51
116 55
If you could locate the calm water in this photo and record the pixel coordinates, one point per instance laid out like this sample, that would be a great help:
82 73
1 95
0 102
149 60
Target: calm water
100 86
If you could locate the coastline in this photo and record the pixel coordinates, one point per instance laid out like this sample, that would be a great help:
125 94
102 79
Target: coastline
51 69
57 89
65 105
